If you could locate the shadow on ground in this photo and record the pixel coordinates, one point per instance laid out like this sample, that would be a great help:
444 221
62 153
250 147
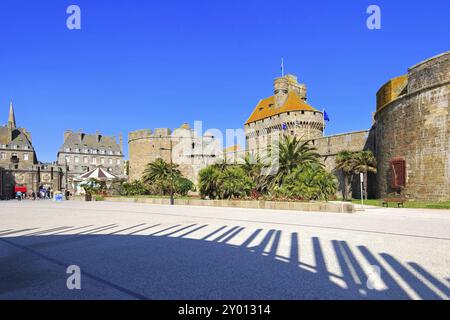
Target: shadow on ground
168 265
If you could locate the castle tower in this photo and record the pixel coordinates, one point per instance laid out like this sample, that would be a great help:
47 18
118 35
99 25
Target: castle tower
412 126
11 117
283 85
284 113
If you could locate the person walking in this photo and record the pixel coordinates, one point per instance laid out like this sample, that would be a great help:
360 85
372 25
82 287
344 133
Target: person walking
19 195
33 195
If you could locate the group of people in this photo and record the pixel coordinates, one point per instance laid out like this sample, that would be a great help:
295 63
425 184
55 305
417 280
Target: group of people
41 194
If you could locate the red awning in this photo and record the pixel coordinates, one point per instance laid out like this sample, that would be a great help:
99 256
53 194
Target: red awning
22 189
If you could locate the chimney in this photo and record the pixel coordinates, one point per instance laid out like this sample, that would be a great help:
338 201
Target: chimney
97 135
67 133
121 142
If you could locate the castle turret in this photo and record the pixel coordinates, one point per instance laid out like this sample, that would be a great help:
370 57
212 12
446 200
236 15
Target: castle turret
283 85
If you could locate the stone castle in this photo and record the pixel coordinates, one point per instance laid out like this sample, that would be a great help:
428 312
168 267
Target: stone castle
189 151
410 136
412 132
287 112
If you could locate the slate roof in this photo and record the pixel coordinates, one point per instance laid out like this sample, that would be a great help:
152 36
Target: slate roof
90 141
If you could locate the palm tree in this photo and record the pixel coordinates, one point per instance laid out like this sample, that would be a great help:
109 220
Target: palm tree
159 173
345 161
253 166
364 162
208 182
293 153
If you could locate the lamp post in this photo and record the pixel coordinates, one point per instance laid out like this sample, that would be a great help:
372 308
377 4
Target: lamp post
171 172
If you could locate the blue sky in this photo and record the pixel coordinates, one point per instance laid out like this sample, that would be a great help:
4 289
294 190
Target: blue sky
146 64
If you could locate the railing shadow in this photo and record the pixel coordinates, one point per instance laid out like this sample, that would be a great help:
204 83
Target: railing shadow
191 262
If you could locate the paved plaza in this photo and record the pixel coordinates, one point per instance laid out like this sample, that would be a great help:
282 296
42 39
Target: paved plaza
141 251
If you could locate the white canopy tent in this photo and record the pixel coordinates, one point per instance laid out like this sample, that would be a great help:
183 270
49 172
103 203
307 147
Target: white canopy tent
99 174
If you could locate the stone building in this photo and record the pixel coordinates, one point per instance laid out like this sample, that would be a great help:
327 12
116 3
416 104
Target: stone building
19 165
286 112
190 151
412 128
410 137
82 152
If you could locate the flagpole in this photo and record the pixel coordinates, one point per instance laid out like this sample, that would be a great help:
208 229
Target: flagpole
323 122
282 67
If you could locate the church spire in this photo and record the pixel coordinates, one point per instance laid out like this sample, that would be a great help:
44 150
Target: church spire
11 118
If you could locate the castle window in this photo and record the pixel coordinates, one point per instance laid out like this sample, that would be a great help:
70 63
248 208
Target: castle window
67 159
76 159
288 113
102 160
67 149
303 112
3 155
193 145
118 162
14 146
86 160
25 156
110 161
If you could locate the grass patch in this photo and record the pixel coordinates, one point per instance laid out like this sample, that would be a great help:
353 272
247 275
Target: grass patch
408 204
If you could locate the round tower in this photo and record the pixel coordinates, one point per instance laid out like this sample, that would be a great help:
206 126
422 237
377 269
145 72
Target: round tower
280 91
412 125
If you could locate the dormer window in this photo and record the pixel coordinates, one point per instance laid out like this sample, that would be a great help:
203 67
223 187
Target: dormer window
67 149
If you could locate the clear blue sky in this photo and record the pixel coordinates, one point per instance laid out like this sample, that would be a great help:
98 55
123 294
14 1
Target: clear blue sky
145 64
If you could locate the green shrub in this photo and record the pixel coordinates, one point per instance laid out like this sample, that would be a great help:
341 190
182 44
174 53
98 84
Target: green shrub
183 185
234 182
99 198
309 183
207 182
134 188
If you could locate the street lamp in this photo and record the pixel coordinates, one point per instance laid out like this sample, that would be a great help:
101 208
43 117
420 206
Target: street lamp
171 172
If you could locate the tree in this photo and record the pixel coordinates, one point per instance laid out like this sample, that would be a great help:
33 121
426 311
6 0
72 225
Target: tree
345 161
207 182
293 153
183 186
158 175
253 167
364 162
233 182
135 188
309 182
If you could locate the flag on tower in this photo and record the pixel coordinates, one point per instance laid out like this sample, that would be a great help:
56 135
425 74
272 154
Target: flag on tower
325 116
